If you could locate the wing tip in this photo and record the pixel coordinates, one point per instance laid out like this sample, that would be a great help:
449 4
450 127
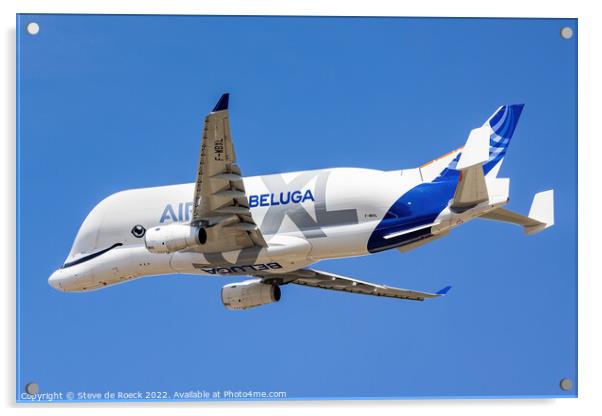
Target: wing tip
444 291
222 104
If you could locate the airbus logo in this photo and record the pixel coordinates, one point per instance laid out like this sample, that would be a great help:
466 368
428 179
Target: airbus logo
282 198
183 210
177 212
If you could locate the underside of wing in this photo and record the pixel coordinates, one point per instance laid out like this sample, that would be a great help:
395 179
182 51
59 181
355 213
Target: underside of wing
220 202
331 281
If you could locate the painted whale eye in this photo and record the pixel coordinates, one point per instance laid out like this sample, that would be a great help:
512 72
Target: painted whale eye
138 231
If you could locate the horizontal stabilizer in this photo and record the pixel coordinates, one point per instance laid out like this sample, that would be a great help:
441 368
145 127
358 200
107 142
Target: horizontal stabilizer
541 214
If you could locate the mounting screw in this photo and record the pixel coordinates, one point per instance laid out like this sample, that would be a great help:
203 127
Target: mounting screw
566 384
33 28
566 32
32 388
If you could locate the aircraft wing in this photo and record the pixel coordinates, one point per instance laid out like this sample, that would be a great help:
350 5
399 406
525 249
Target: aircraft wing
331 281
220 199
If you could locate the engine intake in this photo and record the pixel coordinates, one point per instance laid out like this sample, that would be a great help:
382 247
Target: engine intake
174 237
248 294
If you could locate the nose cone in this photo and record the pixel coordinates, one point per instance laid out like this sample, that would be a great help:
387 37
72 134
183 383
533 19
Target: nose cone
56 279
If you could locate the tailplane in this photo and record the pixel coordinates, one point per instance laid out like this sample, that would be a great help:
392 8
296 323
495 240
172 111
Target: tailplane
541 214
474 168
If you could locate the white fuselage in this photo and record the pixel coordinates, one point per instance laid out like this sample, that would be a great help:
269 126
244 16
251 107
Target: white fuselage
272 227
304 216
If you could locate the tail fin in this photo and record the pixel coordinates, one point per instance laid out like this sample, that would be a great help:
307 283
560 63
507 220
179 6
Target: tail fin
502 123
500 126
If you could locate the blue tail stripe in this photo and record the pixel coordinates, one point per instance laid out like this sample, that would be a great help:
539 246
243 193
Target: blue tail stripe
503 123
423 204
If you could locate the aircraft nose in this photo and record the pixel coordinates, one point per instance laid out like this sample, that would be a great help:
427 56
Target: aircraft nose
55 280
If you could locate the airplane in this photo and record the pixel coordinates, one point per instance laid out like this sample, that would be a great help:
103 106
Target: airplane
272 227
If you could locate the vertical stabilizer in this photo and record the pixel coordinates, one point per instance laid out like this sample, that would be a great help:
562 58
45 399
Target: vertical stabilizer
495 134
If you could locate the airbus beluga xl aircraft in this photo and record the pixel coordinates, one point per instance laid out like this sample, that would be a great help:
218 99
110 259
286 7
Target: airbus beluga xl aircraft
273 227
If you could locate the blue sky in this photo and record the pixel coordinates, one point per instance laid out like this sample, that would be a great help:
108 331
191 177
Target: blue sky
108 103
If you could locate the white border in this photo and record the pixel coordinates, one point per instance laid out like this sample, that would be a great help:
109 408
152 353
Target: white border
590 276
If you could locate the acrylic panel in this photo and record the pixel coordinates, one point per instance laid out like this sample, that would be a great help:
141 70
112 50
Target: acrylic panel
109 103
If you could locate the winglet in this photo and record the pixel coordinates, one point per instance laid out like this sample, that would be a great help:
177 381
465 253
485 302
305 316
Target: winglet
542 210
222 104
444 291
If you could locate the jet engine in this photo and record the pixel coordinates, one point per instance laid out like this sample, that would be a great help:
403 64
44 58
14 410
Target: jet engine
248 294
174 237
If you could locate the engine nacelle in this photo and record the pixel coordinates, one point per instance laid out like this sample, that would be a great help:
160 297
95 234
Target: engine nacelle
174 237
248 294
